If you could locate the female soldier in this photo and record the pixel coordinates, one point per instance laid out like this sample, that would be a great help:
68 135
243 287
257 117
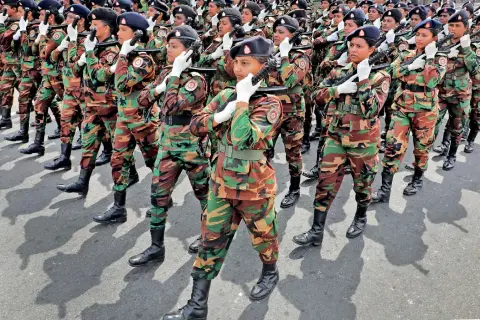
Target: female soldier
250 12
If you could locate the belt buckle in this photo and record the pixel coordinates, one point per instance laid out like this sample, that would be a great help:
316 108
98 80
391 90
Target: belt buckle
168 120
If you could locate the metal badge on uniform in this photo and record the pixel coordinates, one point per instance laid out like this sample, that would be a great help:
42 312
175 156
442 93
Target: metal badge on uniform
282 21
179 9
273 115
442 61
56 36
191 85
110 57
385 86
137 63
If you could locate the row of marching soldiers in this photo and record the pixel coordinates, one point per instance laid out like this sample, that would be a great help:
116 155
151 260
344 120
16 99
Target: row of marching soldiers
208 88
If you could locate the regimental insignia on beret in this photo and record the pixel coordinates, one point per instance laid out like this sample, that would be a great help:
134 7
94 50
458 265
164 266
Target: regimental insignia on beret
294 15
14 27
72 9
340 10
417 11
459 17
352 16
389 13
177 33
137 63
124 21
445 10
117 4
247 50
223 14
191 85
282 21
93 17
361 33
427 25
179 9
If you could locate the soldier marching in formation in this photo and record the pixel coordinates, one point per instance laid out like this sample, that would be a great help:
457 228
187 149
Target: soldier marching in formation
209 86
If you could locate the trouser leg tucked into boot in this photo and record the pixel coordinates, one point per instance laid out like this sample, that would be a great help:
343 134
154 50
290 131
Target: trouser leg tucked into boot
106 154
77 145
116 213
416 184
266 283
80 186
20 135
156 252
359 222
293 193
314 236
445 145
449 163
37 145
197 307
383 194
133 176
62 162
470 141
6 121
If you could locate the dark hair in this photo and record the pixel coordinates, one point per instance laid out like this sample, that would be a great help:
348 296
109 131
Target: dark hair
187 43
370 42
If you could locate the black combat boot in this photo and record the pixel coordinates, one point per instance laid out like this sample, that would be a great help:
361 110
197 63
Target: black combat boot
449 163
383 146
470 141
465 131
359 222
293 193
20 135
156 252
193 247
106 155
383 194
133 176
37 145
6 121
197 307
116 212
314 236
54 135
305 144
416 184
77 145
317 132
80 186
312 173
266 283
442 149
62 162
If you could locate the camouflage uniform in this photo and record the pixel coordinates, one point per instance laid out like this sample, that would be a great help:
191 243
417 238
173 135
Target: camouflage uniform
158 40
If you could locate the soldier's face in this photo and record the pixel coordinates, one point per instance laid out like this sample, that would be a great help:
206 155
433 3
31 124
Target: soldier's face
365 8
388 23
179 20
390 6
70 17
224 26
151 12
436 5
242 66
337 18
174 49
294 7
350 26
414 20
325 5
458 29
247 16
443 18
10 11
103 31
212 9
423 37
351 4
124 33
359 50
280 34
373 15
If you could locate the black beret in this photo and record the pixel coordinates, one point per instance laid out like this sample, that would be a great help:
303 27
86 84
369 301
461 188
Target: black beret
368 2
394 2
11 3
401 5
158 5
187 11
49 5
448 11
104 14
357 15
298 14
30 4
428 24
413 2
378 7
366 32
420 11
230 13
182 2
78 9
394 13
98 2
334 4
288 22
133 20
253 7
343 9
183 32
459 16
123 4
469 7
302 4
219 3
435 1
254 46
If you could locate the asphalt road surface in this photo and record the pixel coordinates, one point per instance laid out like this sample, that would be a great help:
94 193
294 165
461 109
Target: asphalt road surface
417 259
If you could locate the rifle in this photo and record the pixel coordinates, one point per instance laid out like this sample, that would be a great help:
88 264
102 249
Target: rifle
93 33
384 36
447 49
16 43
374 58
295 36
438 43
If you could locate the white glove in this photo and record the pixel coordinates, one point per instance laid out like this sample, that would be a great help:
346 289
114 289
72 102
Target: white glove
274 5
200 11
227 41
445 29
319 19
342 61
208 33
383 47
181 63
225 114
82 60
390 36
22 25
431 50
262 15
161 87
63 45
127 48
247 27
3 18
17 35
465 41
278 61
151 24
419 63
90 45
217 53
215 20
453 53
245 88
61 10
72 33
411 40
43 28
285 47
193 3
325 13
377 23
440 36
470 23
363 70
37 39
341 26
332 37
172 19
347 87
113 68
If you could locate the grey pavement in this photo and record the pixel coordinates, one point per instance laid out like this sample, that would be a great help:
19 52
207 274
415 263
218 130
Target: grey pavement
417 259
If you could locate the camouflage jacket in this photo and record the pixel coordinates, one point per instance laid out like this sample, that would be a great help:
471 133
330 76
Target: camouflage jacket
45 47
69 57
251 129
7 47
29 61
158 40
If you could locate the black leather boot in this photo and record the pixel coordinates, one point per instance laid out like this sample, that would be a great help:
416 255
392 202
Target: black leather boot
37 145
80 186
6 121
416 184
156 252
315 135
383 146
359 222
20 135
193 247
442 149
383 194
54 135
449 163
77 145
293 193
305 144
470 141
197 307
62 162
116 213
465 131
312 173
133 176
106 155
314 236
267 282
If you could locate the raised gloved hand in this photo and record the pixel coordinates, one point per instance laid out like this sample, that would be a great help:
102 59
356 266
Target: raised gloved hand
445 29
245 88
3 18
17 35
431 50
342 61
390 36
113 68
215 20
22 25
72 33
181 63
43 29
127 48
341 26
262 15
278 61
377 23
226 114
247 27
63 45
161 87
383 47
332 37
453 53
274 5
89 44
208 33
465 41
411 40
172 19
227 41
218 53
363 70
82 60
151 25
347 87
285 47
200 11
417 64
325 13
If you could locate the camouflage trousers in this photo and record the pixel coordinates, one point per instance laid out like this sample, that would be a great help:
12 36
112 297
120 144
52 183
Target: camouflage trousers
10 79
127 135
474 117
27 89
260 219
50 87
98 122
458 109
72 114
422 126
291 131
309 106
360 148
